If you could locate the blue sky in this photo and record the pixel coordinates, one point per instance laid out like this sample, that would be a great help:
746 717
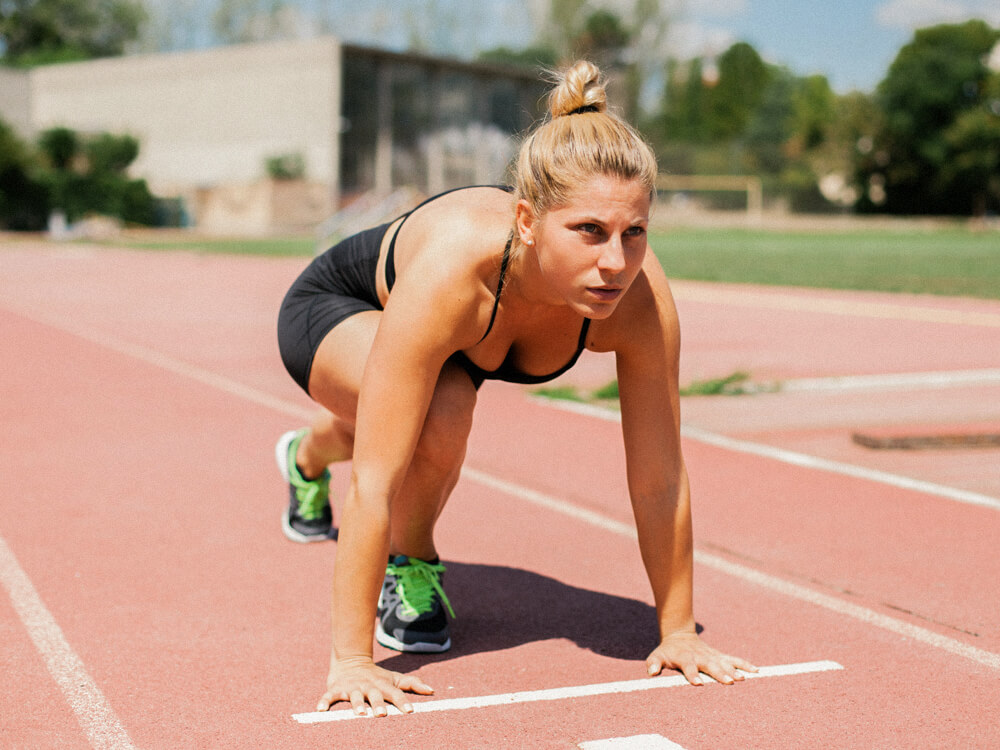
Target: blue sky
852 42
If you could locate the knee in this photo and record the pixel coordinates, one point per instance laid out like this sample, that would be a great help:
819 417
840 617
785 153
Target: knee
449 418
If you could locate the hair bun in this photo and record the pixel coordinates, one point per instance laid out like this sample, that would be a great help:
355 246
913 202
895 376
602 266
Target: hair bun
579 89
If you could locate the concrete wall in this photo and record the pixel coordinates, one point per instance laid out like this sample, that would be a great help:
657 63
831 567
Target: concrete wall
209 117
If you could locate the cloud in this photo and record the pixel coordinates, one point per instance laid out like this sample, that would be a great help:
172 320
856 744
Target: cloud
716 8
915 14
689 39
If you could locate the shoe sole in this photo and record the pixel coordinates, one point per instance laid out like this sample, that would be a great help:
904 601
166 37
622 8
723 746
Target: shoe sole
281 456
414 648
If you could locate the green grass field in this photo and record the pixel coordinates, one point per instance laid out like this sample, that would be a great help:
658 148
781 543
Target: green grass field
949 260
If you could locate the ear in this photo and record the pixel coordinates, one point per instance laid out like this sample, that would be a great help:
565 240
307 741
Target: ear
525 221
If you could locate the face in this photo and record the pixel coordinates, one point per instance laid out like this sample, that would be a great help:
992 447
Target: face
591 249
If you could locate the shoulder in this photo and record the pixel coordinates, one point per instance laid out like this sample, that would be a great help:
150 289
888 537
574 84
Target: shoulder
457 231
447 260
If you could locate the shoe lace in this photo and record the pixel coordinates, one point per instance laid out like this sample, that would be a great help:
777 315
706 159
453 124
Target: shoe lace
312 496
417 583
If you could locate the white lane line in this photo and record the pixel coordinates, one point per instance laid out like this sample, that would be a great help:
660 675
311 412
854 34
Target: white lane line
836 467
894 381
635 742
92 710
576 691
750 575
796 459
165 362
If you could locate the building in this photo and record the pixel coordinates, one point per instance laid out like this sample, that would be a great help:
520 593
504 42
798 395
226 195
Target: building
359 121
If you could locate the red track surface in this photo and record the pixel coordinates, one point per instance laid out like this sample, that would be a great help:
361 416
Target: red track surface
142 394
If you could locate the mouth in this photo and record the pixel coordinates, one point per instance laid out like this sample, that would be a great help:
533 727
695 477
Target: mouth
605 293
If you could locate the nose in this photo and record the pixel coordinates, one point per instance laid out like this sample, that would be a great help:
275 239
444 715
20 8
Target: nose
612 258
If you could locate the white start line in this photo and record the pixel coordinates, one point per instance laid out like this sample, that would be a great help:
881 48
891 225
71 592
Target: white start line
636 742
564 693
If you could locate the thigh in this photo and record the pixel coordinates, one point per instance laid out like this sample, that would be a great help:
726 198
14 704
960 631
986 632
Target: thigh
339 363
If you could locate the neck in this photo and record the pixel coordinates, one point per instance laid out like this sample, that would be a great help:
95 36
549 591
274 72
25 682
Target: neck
525 278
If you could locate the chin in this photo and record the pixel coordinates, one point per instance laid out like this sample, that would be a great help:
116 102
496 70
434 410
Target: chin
597 311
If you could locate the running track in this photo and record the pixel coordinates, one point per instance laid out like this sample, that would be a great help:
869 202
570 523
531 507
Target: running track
151 601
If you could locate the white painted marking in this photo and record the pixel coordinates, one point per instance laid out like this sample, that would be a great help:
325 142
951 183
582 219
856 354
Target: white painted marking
836 467
176 366
856 308
794 590
92 710
636 742
895 381
576 691
796 459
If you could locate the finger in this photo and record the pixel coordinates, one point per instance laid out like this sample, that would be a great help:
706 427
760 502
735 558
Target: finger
413 684
377 702
398 698
743 665
691 673
327 700
722 672
654 666
357 699
734 667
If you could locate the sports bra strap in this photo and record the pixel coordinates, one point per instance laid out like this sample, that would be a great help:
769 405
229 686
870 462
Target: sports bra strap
390 253
503 274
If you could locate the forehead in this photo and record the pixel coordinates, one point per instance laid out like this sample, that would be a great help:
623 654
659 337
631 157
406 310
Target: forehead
604 195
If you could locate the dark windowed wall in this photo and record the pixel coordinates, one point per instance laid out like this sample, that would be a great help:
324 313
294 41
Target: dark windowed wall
429 124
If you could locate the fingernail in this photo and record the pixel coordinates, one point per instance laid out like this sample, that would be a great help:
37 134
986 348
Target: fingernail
651 669
408 708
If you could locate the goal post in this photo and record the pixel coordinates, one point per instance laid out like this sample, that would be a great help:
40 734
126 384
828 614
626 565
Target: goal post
749 184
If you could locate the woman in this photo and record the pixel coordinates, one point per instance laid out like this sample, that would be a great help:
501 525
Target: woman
484 284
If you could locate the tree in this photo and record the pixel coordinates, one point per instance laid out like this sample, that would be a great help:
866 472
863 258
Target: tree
35 32
742 79
936 81
239 21
971 173
684 114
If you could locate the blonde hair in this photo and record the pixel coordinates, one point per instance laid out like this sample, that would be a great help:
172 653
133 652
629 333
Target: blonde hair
579 139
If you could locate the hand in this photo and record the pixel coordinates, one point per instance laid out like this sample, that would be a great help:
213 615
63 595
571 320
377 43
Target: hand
688 653
361 681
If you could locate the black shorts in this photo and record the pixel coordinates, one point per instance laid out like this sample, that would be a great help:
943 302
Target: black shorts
335 286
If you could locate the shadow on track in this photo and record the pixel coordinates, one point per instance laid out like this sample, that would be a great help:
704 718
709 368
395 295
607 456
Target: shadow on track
499 608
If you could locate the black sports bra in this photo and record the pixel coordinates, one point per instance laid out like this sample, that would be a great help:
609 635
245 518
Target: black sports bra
507 371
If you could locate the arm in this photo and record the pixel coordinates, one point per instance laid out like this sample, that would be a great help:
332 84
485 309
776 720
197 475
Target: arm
427 317
647 357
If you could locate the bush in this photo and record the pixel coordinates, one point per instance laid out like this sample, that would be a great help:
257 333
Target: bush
24 200
89 175
286 167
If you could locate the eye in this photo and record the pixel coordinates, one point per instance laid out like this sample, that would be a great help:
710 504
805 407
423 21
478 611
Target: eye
636 231
588 228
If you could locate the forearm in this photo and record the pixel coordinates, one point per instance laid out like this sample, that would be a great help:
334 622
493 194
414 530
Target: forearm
362 551
665 542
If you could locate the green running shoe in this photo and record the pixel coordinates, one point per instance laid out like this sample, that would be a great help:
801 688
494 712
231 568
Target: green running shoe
411 607
308 517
